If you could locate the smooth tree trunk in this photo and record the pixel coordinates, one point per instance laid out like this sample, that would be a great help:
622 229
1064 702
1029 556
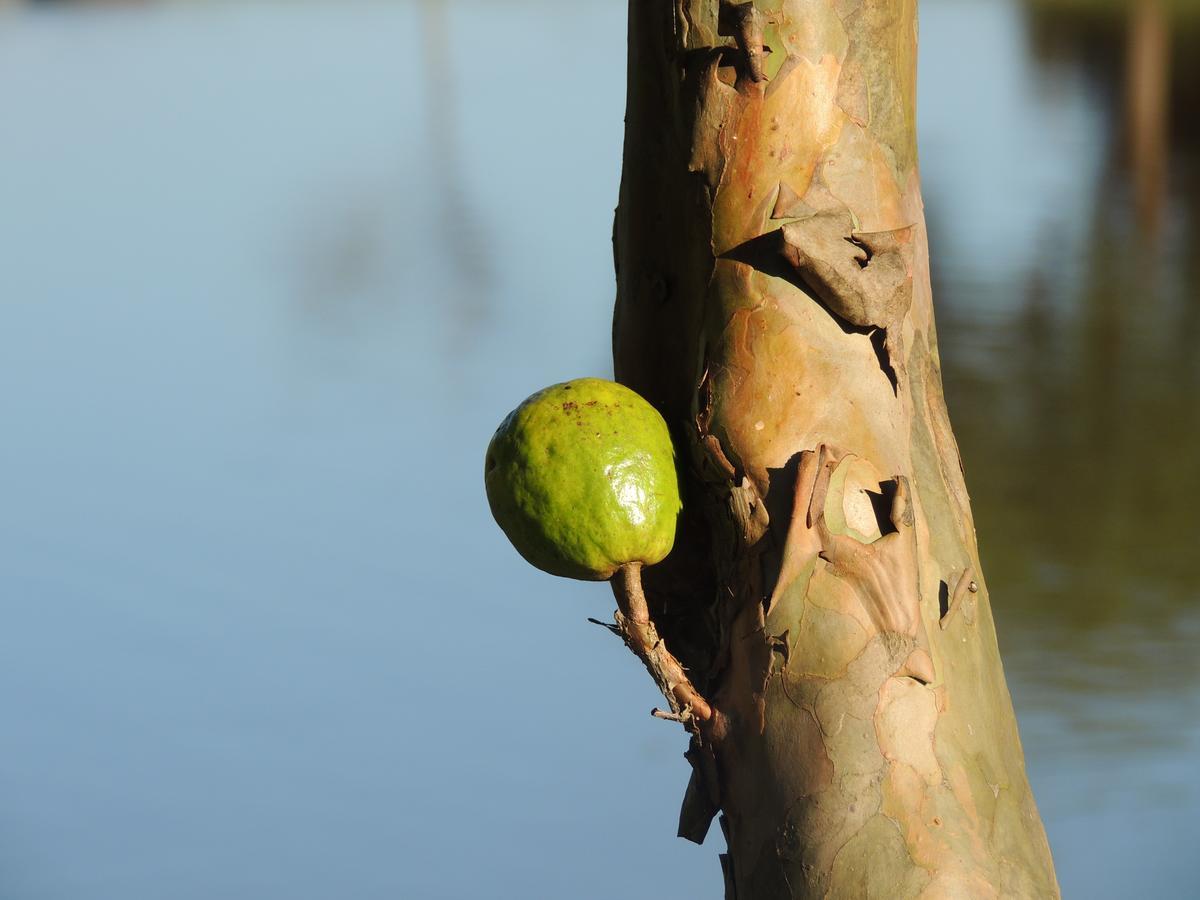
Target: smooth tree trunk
825 594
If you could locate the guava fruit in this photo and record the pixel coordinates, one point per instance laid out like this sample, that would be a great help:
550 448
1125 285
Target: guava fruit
581 477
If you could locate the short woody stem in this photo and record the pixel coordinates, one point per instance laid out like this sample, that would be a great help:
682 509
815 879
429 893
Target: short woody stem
640 635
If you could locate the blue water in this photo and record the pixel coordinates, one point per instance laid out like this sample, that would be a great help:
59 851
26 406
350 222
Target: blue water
272 274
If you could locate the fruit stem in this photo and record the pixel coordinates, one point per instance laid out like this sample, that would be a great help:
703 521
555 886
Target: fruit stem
640 635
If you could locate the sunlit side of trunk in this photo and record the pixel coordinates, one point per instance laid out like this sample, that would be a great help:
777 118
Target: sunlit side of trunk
826 593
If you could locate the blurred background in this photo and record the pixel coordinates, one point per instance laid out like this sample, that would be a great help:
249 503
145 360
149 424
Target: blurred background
272 273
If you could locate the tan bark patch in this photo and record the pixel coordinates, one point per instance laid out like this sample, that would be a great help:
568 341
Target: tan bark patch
859 173
875 865
905 723
779 136
835 637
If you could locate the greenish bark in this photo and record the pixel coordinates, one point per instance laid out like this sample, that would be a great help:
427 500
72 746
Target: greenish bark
825 593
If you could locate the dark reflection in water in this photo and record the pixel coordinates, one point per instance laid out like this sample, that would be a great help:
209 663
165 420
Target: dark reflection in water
265 314
348 242
1078 414
1082 431
459 227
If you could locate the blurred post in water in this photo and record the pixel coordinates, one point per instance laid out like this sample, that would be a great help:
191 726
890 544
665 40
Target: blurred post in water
1147 99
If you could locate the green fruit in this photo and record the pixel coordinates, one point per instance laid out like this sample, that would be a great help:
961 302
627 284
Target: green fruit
581 477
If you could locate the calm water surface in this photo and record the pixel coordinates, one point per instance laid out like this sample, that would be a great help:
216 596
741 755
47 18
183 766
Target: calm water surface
272 275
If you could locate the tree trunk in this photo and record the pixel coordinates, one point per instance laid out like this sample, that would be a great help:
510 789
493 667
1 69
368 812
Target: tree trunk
825 591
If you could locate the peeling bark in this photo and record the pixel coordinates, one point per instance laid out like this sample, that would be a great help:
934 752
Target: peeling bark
824 596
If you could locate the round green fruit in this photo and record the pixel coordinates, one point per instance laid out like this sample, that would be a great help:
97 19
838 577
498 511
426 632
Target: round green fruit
581 477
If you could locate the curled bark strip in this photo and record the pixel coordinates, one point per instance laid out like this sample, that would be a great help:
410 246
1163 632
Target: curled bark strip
801 543
826 462
964 585
864 278
745 22
750 40
701 800
640 636
883 573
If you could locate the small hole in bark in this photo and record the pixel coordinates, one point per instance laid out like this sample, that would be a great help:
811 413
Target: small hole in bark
943 599
865 259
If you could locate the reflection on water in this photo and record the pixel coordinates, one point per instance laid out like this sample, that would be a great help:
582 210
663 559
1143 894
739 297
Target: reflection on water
458 224
261 637
1075 403
1081 429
